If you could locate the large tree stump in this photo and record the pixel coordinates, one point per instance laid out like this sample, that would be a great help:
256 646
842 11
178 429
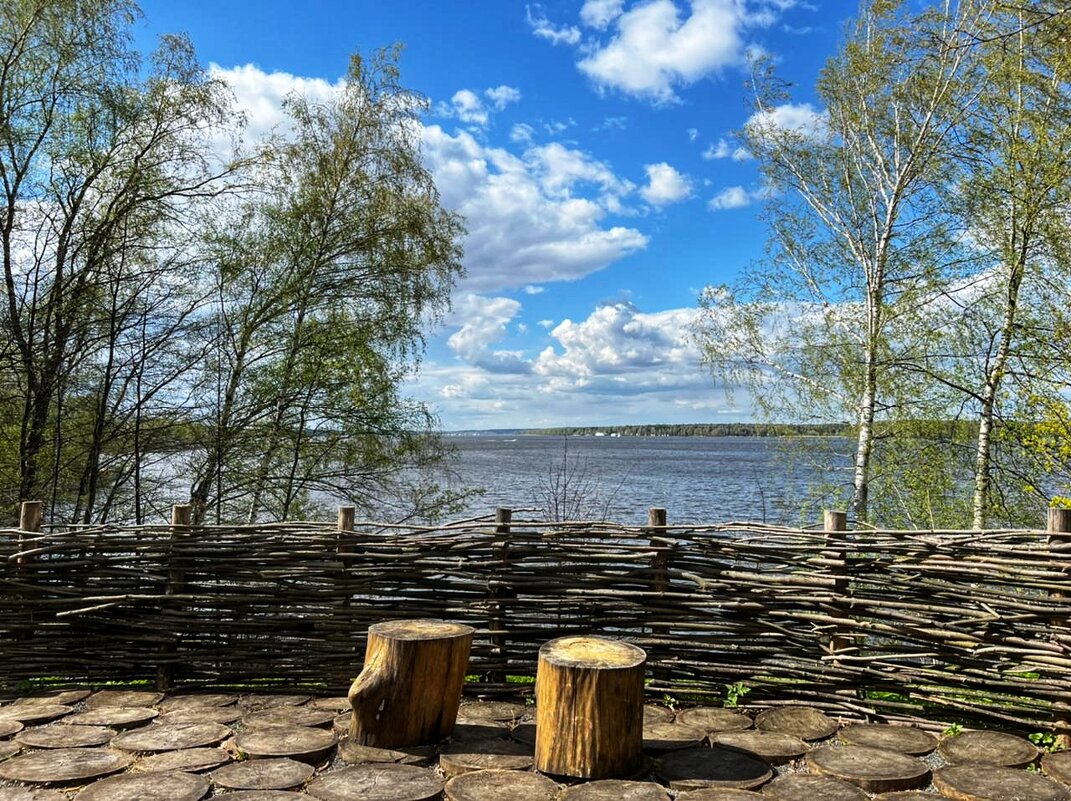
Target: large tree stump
589 708
410 688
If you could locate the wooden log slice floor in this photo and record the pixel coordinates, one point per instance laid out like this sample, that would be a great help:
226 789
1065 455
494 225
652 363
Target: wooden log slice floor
804 722
262 795
256 701
196 701
339 703
10 726
174 786
356 754
65 765
652 713
503 711
288 716
870 769
902 739
263 774
30 794
8 750
1057 766
501 785
192 760
466 757
713 767
720 794
987 783
988 748
484 730
662 737
295 742
525 733
808 787
712 719
123 698
615 790
907 795
34 713
172 736
116 717
202 714
63 697
772 746
64 736
378 783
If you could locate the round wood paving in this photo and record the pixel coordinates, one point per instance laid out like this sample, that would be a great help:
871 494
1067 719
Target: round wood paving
525 733
64 736
465 757
172 736
196 701
775 747
712 719
202 714
9 727
483 730
34 713
339 703
804 787
907 795
263 774
492 710
501 785
804 722
30 794
288 716
9 749
987 783
262 795
378 783
255 701
652 713
902 739
63 697
615 790
988 748
660 737
713 767
64 765
343 722
356 754
870 769
123 698
1057 766
296 742
147 787
720 794
117 717
188 759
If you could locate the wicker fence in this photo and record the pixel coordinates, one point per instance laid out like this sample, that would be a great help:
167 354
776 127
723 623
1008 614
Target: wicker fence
896 624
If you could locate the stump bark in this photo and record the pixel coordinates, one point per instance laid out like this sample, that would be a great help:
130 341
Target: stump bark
410 688
589 708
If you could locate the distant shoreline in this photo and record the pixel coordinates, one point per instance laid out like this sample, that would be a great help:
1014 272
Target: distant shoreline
674 430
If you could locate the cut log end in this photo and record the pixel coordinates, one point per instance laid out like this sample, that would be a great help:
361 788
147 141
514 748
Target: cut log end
592 653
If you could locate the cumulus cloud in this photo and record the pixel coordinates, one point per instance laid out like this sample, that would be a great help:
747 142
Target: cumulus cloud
735 197
483 322
545 29
723 150
533 218
468 105
600 13
502 96
801 118
665 185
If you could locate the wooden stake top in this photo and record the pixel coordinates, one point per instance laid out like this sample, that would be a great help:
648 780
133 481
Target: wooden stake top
426 629
591 652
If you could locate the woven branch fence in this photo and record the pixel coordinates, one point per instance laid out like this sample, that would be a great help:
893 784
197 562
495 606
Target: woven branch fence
942 625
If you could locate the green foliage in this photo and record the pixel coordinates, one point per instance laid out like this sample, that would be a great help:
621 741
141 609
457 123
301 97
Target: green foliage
735 693
952 730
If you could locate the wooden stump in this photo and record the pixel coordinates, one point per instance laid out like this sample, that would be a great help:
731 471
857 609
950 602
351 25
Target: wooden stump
64 765
714 767
804 722
615 790
988 748
804 787
774 747
193 760
870 769
501 785
295 742
712 719
985 783
410 688
377 783
589 708
902 739
153 787
263 774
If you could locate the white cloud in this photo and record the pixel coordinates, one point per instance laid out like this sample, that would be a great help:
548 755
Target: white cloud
723 150
483 322
801 118
544 29
533 290
600 13
548 324
530 219
468 107
665 185
693 134
521 133
502 96
735 197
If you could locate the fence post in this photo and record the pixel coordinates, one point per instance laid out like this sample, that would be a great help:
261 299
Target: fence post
497 618
347 518
1059 526
836 522
181 516
31 515
656 527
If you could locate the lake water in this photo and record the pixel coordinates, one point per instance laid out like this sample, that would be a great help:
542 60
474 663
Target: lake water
697 479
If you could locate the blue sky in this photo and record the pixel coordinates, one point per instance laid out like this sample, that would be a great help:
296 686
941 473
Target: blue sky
589 145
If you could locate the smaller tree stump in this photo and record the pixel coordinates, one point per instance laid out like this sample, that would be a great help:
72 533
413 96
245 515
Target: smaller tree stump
377 783
263 774
589 708
805 787
902 739
147 787
988 748
615 790
501 785
985 783
870 769
410 688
